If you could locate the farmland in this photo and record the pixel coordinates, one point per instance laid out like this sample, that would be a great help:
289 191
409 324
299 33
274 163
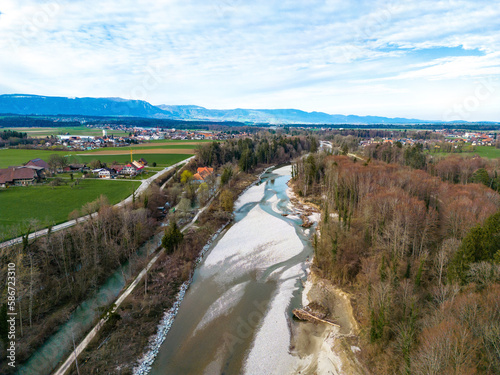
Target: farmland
489 152
73 130
52 205
160 159
163 156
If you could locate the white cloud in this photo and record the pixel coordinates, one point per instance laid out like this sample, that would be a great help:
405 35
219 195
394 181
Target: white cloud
334 56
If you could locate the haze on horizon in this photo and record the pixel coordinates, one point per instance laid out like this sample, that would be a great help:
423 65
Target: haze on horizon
432 60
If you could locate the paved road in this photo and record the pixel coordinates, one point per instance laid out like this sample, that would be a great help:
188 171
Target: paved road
142 188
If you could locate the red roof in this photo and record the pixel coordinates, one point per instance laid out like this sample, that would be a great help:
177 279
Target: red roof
11 174
38 163
203 173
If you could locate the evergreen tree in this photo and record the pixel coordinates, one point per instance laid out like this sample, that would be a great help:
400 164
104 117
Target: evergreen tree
172 238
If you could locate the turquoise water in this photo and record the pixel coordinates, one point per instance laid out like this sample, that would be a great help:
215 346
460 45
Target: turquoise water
56 349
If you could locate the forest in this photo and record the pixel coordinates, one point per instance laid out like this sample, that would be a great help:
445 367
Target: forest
58 271
453 168
13 138
417 243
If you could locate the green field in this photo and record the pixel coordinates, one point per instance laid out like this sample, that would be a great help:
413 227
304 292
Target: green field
72 130
19 157
83 130
164 160
182 140
13 157
52 205
147 146
488 152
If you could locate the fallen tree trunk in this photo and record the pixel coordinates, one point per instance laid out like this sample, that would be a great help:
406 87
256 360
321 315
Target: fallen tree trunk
311 317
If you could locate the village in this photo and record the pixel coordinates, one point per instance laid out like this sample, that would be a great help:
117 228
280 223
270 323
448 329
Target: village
454 137
136 135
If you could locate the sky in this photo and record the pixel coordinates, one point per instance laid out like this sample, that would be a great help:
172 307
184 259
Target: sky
428 59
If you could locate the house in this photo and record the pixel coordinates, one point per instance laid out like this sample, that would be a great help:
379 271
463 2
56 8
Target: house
106 173
20 176
138 165
116 168
76 167
38 163
129 170
202 173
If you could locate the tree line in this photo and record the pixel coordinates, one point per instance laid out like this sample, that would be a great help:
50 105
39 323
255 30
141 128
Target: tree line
263 148
452 168
58 271
419 253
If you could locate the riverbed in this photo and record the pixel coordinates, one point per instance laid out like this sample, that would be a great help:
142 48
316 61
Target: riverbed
236 316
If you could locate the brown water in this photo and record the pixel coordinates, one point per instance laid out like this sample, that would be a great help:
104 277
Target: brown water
236 315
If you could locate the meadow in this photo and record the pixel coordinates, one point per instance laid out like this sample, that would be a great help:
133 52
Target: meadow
162 157
52 205
488 152
72 130
162 160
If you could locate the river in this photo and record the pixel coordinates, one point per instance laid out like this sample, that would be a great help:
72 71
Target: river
236 315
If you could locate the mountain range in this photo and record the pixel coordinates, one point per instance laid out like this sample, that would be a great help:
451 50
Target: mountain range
20 104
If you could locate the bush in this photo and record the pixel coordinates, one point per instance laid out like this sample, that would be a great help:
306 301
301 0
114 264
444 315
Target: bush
227 201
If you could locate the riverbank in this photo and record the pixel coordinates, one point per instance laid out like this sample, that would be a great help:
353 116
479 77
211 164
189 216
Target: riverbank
324 348
119 346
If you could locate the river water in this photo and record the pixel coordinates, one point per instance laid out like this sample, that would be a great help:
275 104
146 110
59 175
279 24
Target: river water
236 316
60 344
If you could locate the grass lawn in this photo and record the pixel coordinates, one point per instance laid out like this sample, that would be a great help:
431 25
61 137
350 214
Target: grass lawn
10 157
52 205
148 146
72 130
164 160
19 157
143 175
182 140
488 152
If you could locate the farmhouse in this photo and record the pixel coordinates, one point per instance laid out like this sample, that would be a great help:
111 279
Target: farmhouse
132 169
37 163
20 176
116 168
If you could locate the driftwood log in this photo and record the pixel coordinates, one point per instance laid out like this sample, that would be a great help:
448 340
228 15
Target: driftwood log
306 223
310 316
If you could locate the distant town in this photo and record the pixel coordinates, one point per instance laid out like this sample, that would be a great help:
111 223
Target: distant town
136 135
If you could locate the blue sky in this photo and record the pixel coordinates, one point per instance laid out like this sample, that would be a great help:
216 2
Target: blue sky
429 59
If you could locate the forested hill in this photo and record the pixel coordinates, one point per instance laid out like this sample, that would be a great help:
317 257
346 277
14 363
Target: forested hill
22 104
419 252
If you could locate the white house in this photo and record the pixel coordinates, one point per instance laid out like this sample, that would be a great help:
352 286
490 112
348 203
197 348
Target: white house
105 173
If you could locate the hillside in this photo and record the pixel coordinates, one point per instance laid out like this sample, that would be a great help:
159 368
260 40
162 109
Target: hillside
21 104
